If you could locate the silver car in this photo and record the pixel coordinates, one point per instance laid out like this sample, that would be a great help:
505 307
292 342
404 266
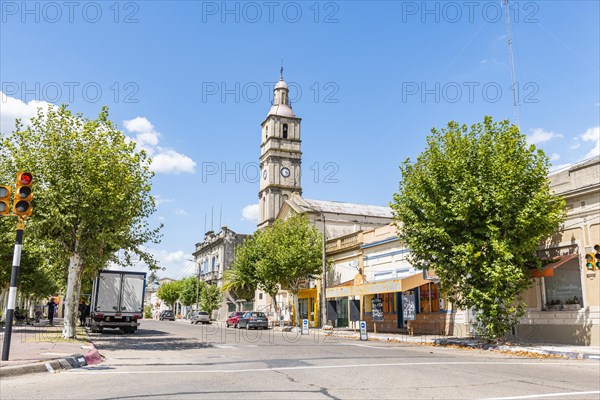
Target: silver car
199 317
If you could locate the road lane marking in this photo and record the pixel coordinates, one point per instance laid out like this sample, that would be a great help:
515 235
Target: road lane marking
99 370
538 396
370 347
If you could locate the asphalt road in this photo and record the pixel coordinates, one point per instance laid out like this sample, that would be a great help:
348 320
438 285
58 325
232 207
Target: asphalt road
182 361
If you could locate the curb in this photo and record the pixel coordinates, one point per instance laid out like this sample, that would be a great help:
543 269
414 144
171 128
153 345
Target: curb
570 355
74 361
92 357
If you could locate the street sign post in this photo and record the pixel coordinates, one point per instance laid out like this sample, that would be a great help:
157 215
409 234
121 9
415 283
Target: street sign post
305 327
363 330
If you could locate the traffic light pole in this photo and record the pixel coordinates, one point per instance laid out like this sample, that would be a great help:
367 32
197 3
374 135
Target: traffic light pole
12 292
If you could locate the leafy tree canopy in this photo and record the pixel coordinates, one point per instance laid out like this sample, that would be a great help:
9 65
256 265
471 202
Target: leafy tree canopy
169 292
92 193
282 255
211 298
474 207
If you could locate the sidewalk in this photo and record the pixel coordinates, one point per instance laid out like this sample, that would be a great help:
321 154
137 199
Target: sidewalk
41 348
522 349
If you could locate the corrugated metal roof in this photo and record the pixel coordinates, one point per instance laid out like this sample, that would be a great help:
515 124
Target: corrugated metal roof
339 207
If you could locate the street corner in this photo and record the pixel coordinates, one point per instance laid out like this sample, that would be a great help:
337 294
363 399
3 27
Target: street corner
51 366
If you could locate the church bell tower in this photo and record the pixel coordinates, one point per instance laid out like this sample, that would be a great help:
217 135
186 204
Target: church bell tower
280 156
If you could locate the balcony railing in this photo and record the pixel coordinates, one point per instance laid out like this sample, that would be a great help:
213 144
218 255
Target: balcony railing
344 242
210 276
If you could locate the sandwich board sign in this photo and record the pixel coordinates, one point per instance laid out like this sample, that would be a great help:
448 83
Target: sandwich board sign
363 330
305 326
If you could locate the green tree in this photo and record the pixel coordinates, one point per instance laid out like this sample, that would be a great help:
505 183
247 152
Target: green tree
281 256
293 253
189 289
474 207
92 194
169 292
242 279
248 274
210 299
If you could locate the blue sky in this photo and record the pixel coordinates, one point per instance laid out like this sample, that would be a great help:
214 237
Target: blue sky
191 81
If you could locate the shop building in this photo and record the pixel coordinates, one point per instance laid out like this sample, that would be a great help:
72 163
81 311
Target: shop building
372 280
563 303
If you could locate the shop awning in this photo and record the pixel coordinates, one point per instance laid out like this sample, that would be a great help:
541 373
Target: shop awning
548 270
387 286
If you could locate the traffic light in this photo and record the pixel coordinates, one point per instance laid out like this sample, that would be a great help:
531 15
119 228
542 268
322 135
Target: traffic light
23 194
590 261
4 200
597 255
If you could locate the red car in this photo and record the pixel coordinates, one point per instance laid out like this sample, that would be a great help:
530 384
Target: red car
234 318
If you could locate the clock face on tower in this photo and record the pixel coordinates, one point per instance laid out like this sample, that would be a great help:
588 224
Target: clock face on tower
285 172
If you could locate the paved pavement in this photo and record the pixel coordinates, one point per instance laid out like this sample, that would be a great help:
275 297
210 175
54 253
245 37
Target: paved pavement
41 348
182 361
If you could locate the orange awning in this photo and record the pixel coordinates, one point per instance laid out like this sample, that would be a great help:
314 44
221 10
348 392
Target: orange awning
548 270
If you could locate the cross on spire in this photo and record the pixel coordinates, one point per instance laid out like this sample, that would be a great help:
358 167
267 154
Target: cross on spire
281 71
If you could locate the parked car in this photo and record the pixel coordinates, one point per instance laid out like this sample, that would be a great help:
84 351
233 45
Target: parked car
234 317
199 316
167 314
254 319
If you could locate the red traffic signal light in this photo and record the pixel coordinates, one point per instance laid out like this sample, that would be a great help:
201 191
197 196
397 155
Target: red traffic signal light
4 200
24 178
23 194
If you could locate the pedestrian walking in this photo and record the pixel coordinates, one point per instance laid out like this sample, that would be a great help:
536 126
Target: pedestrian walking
51 307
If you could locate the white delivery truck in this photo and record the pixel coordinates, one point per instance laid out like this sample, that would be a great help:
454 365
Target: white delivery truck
117 301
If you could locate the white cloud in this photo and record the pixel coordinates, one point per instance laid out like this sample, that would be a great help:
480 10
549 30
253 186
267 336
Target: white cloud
158 199
179 211
170 161
538 135
250 213
11 109
176 264
592 135
165 161
554 157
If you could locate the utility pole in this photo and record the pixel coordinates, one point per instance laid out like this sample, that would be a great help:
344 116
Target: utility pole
12 292
323 279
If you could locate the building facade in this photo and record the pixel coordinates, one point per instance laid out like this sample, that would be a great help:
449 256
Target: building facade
213 257
372 280
564 299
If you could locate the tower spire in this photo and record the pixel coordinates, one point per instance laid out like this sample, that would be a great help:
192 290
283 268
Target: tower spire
281 71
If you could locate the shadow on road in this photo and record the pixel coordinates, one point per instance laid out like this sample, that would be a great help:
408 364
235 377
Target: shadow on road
145 339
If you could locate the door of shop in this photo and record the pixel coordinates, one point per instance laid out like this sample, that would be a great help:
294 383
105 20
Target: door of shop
342 310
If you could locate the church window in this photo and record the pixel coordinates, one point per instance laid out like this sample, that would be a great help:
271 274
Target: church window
285 131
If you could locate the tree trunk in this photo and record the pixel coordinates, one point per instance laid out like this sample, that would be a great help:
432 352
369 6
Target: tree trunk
274 302
294 291
72 297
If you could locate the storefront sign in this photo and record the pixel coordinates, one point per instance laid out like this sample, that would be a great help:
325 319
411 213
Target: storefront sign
305 327
409 312
377 306
363 331
388 286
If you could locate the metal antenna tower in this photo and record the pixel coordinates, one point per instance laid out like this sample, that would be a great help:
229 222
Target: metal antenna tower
511 59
